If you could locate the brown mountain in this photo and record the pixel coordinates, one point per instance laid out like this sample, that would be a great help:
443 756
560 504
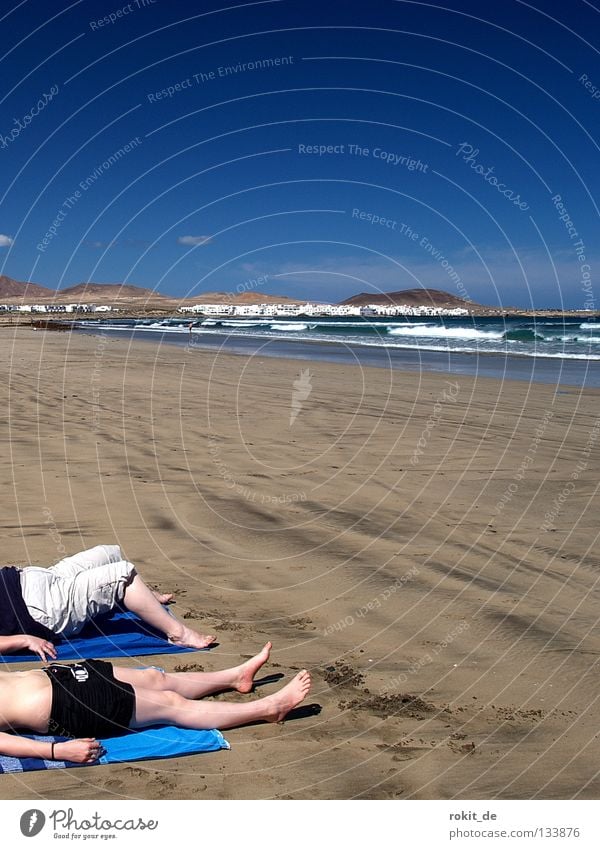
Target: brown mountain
10 289
412 298
83 292
253 297
14 290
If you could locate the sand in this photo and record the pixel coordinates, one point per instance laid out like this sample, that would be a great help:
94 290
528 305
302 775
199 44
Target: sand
400 539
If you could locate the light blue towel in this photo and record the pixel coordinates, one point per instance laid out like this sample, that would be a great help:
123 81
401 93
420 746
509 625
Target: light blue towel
118 634
160 741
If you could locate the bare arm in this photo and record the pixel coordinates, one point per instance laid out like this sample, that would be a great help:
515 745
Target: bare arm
21 747
13 643
86 750
25 642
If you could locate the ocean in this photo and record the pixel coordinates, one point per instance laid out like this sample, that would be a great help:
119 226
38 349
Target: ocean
548 350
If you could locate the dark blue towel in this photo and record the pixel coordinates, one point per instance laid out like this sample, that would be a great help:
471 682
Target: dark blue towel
118 634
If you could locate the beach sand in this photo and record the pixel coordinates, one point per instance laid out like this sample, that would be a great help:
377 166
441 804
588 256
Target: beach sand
452 636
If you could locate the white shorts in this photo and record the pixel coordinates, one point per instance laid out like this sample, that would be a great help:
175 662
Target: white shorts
66 596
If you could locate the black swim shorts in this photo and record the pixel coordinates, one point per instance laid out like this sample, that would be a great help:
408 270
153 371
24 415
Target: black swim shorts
88 701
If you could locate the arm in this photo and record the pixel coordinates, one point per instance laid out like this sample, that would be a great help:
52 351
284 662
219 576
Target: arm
15 642
21 747
25 642
86 750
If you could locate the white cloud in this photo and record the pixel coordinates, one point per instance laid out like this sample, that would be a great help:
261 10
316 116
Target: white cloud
98 244
5 241
193 240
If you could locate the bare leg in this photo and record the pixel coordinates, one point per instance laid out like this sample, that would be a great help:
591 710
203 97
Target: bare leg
141 600
195 685
165 706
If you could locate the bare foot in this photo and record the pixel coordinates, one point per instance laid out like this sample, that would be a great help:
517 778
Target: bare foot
190 639
162 598
288 697
246 671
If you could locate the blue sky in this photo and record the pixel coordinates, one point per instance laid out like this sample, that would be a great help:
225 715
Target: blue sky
367 147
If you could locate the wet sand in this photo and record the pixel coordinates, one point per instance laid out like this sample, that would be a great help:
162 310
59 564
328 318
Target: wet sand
424 544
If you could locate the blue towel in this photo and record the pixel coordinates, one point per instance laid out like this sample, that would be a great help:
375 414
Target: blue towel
117 634
160 741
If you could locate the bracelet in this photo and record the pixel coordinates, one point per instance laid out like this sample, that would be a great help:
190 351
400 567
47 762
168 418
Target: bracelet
52 745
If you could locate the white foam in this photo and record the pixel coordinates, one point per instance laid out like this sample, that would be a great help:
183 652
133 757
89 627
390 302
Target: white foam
244 323
436 332
578 339
291 326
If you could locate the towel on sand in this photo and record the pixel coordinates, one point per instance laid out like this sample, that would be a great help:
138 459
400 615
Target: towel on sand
160 741
117 634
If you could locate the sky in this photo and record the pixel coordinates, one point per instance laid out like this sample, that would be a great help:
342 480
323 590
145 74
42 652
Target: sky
313 150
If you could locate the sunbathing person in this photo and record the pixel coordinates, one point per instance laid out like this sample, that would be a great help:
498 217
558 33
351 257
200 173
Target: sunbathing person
38 606
93 699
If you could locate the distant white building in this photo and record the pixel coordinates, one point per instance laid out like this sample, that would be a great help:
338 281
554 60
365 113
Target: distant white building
405 309
55 308
291 310
209 309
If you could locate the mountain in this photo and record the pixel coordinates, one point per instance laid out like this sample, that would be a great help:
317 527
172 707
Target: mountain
14 290
113 291
30 292
255 297
10 288
412 298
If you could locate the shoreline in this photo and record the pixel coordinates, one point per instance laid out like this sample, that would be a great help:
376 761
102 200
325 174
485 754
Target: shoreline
580 373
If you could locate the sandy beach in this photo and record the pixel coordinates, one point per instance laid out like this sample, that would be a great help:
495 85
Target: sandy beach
422 543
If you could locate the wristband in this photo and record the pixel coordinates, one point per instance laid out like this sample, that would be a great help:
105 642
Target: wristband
52 745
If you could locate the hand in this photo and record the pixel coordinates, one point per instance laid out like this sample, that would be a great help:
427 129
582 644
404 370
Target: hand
83 751
36 645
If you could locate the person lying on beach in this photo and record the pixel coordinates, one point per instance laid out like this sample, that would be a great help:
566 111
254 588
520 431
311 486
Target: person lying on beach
95 699
38 606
